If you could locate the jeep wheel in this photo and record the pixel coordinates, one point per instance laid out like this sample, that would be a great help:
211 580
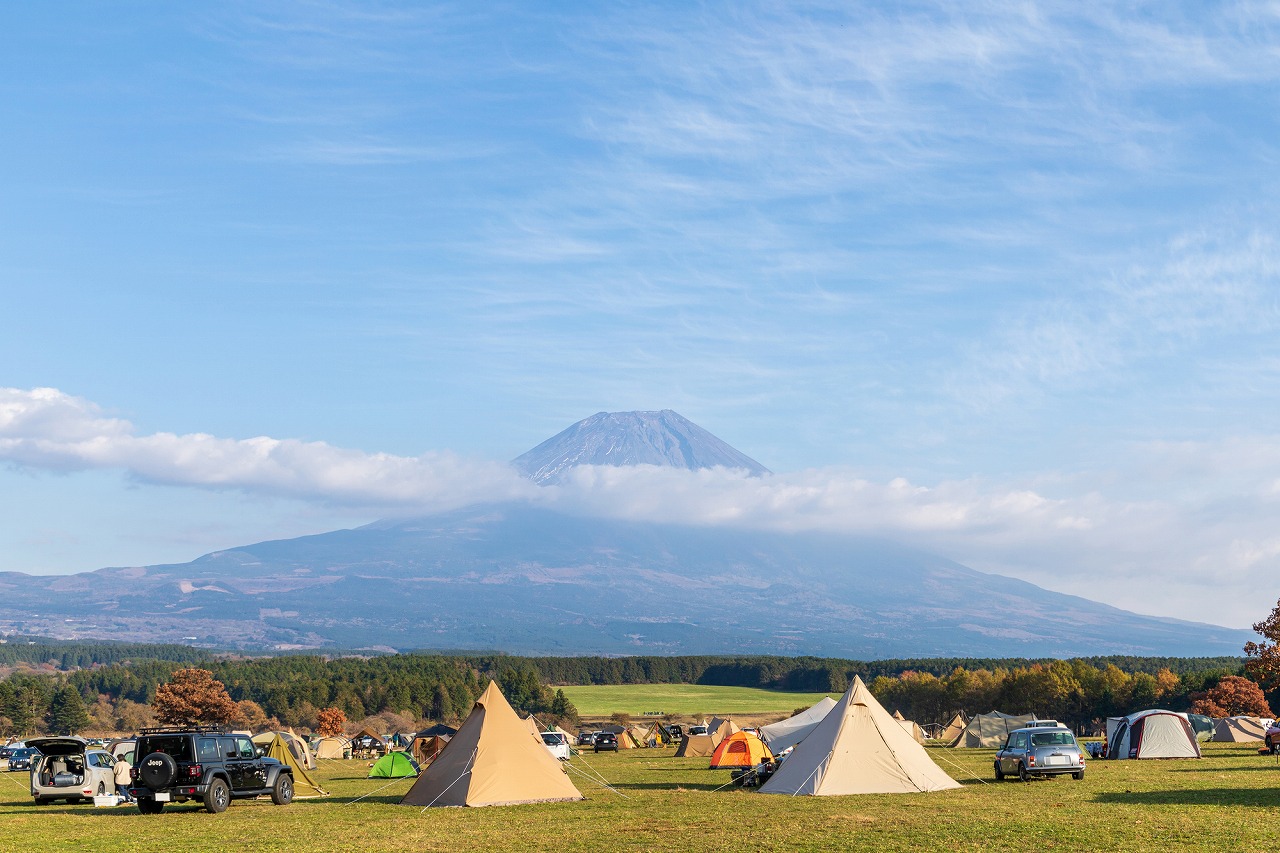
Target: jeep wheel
1023 774
218 797
999 772
149 806
282 791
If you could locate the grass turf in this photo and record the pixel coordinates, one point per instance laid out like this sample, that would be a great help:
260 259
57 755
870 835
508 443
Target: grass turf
1227 801
684 699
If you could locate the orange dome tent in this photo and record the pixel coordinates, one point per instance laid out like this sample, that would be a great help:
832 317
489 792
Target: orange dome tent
740 749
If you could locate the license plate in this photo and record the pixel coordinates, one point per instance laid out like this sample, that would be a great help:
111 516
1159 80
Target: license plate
1059 759
162 798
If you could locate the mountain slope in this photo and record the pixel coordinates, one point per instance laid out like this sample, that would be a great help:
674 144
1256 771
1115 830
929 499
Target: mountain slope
631 438
529 580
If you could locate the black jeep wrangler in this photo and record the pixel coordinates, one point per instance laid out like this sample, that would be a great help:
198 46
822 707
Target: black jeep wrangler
212 765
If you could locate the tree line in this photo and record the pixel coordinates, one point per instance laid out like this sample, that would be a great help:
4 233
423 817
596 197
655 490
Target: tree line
292 690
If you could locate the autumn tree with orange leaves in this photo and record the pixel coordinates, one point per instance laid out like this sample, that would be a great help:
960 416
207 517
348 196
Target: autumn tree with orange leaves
330 722
1233 696
1263 659
194 697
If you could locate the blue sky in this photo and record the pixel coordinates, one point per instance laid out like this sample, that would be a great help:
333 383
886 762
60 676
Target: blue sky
1000 279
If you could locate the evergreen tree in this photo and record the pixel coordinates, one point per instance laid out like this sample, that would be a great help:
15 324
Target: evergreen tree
441 704
67 714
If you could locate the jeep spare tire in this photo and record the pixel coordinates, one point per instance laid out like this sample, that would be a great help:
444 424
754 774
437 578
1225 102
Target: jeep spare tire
158 770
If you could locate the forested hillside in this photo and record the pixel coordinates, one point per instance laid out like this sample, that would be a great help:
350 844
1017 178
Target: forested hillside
117 682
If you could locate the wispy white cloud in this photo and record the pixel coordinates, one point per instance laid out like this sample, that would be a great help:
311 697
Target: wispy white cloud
45 428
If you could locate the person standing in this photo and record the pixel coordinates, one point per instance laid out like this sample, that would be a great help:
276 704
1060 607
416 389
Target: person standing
123 779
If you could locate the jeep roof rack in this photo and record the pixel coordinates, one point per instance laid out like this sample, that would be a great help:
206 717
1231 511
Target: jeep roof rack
168 730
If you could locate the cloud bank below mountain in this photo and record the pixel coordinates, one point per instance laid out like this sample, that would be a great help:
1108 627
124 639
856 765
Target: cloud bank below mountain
1209 541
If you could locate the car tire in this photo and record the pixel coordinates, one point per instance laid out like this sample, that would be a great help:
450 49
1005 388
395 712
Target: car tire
41 801
157 770
999 772
282 790
150 806
217 797
102 789
1022 773
1078 775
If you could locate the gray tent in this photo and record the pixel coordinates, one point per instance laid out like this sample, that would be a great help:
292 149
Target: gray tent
989 731
789 732
1153 734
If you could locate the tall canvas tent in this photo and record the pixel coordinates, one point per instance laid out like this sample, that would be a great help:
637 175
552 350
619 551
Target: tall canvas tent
858 749
331 747
740 749
426 749
721 729
953 729
296 745
300 743
368 740
658 735
1240 730
694 746
279 750
1153 734
394 765
989 731
626 740
792 730
492 761
912 728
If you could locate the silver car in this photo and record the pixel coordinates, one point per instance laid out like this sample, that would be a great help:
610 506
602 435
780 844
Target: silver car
1040 751
69 769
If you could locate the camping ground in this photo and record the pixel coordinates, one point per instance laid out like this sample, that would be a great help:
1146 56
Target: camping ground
1229 800
597 700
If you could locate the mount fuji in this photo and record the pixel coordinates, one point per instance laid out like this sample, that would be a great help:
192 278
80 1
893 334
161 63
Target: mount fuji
525 579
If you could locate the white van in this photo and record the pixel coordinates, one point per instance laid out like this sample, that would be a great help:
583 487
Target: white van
557 744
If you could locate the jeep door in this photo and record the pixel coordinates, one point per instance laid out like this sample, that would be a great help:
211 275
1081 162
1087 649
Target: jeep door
252 776
232 762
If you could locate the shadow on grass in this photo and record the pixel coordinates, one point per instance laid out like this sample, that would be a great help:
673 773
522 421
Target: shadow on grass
381 799
1270 768
1260 797
665 786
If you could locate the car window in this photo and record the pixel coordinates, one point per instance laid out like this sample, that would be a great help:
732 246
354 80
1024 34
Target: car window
208 749
1053 739
246 747
1020 740
176 746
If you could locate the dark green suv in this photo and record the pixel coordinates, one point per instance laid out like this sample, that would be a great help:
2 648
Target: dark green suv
210 765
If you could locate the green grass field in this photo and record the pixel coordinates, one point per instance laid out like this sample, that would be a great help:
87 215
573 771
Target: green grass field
1228 801
684 699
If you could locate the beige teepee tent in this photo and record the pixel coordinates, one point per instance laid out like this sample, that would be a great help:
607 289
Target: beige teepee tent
858 749
953 729
721 729
492 761
1239 730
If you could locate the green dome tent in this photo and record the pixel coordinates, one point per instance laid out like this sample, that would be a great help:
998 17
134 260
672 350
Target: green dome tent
394 765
